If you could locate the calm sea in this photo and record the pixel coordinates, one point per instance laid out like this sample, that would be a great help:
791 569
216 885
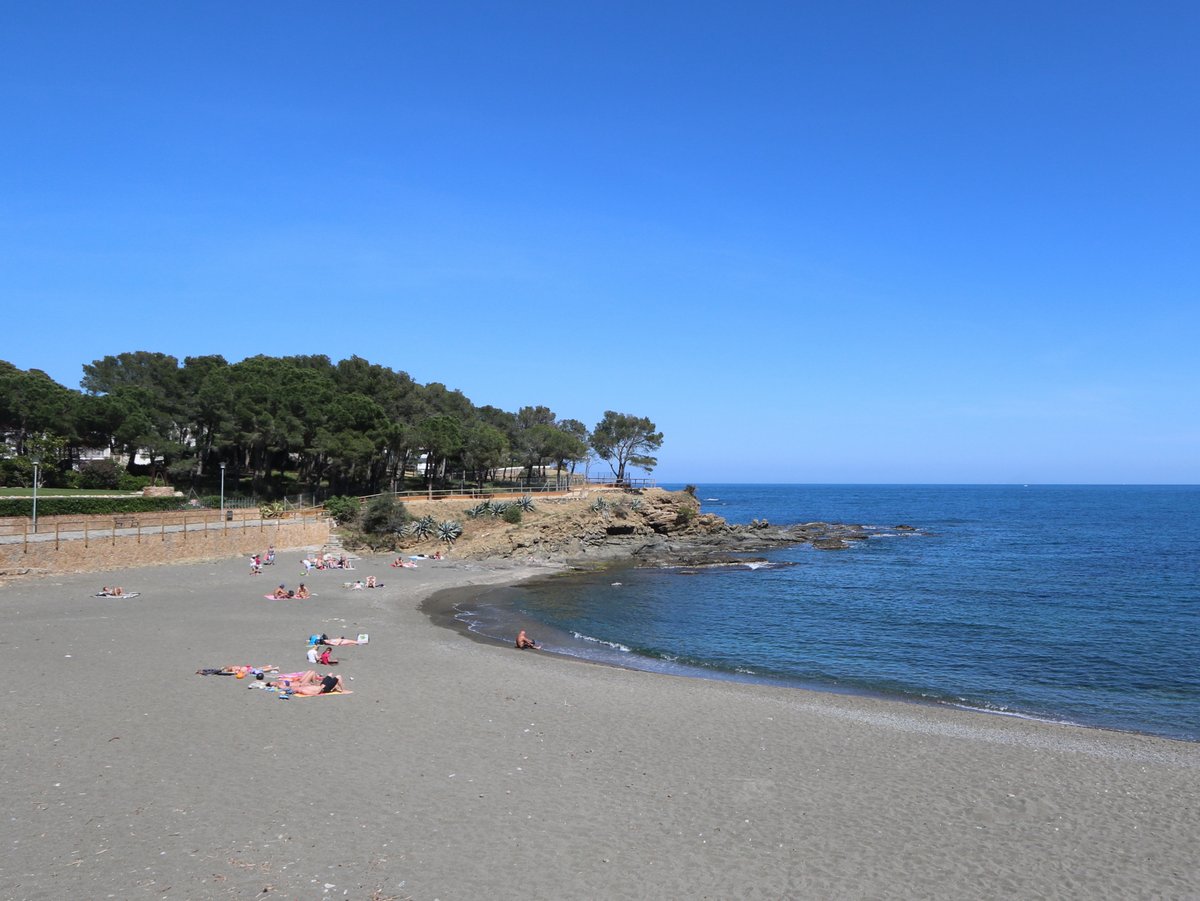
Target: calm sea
1077 604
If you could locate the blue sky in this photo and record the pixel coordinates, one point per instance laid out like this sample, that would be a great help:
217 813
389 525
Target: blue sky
823 242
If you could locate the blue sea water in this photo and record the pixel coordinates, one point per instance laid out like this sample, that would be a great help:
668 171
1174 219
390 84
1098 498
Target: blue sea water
1078 604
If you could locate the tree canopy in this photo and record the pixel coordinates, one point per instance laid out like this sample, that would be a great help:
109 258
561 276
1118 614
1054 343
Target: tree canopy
349 427
623 440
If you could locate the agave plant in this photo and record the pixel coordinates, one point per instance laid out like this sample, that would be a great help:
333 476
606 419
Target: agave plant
402 529
424 528
449 531
526 503
499 508
481 509
635 504
273 510
600 505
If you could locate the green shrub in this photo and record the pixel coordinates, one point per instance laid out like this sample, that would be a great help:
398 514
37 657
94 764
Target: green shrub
512 515
383 515
16 473
127 482
343 509
62 478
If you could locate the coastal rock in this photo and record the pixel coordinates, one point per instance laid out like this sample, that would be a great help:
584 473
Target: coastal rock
652 527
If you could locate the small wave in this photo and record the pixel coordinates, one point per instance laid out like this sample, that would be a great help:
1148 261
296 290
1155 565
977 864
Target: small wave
1002 710
609 644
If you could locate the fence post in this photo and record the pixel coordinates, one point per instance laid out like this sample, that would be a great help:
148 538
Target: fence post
25 541
56 545
85 533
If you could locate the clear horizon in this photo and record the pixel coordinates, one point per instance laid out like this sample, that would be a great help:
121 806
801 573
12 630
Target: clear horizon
930 244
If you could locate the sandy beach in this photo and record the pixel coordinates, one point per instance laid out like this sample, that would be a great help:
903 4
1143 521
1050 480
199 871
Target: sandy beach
460 770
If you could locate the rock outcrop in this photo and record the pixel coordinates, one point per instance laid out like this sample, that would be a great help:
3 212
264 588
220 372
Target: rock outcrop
652 526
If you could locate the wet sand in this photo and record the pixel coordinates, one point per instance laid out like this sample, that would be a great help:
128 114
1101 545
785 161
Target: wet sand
463 770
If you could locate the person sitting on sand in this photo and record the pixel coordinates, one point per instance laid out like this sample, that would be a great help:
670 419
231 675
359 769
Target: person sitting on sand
313 654
524 641
302 592
357 586
326 658
281 592
371 583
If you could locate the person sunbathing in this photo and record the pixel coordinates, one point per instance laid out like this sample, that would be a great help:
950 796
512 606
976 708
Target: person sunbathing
357 586
302 592
281 592
115 592
315 684
234 669
336 642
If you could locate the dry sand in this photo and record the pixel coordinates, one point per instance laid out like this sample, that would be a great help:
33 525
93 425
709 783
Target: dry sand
458 770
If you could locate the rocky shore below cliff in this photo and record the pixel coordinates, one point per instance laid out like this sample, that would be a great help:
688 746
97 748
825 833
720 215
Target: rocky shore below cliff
652 527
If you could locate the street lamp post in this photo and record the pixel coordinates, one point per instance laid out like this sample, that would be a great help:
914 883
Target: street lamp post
222 491
36 461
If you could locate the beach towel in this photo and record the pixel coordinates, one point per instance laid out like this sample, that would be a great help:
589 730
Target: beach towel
128 594
328 694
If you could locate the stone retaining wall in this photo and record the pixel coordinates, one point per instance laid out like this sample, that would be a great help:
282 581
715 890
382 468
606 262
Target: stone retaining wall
122 551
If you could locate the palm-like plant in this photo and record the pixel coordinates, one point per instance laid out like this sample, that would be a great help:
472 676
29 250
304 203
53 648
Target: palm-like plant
526 503
481 509
499 508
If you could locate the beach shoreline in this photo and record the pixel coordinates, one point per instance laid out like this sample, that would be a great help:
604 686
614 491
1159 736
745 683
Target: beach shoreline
462 769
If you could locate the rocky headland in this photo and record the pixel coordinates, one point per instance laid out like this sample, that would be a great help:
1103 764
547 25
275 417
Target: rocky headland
651 527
